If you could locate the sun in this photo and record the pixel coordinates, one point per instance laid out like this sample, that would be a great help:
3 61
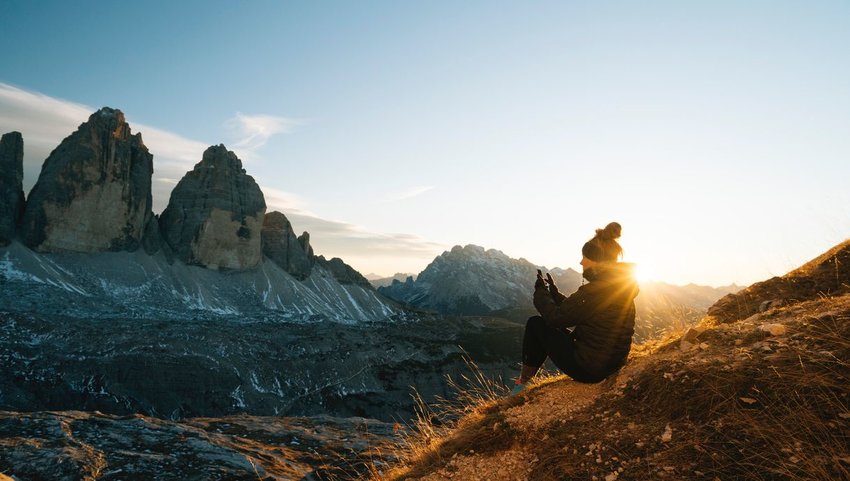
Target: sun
644 272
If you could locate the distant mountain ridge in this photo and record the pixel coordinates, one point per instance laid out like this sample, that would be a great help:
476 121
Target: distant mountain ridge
662 308
380 281
472 280
92 202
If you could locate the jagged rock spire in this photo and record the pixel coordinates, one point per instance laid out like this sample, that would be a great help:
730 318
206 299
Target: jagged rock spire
282 246
11 182
215 215
94 190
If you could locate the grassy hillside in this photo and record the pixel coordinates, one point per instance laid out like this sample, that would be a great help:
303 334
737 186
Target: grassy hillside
744 395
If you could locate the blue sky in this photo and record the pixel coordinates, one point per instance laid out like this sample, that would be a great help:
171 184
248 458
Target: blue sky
715 132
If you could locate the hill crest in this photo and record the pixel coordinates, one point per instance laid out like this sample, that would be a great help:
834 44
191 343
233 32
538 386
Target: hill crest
828 274
763 397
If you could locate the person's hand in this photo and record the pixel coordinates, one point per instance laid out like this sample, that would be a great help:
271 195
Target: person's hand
553 289
540 283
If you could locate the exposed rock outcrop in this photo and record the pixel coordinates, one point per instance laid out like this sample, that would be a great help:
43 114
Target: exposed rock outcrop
215 215
11 182
295 254
282 246
152 239
342 272
304 240
38 446
94 190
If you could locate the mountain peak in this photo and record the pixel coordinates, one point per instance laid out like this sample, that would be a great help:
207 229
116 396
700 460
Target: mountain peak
215 215
94 190
472 280
218 157
108 112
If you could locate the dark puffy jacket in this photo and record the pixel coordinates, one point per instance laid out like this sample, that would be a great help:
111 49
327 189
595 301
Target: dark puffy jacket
602 313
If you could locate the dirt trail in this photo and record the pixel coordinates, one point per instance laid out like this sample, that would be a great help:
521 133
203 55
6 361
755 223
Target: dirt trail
557 401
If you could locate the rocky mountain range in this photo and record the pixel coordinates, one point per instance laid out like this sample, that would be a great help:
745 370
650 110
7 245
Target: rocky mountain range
118 328
471 280
90 239
212 333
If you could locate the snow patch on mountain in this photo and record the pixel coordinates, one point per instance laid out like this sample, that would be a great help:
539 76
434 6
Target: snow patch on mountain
145 286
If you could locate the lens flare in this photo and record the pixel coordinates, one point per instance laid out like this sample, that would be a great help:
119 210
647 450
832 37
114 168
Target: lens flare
644 272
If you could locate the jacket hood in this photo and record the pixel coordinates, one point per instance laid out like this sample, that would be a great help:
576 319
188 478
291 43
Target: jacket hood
622 273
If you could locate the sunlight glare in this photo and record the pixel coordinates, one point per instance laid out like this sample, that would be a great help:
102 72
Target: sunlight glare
643 272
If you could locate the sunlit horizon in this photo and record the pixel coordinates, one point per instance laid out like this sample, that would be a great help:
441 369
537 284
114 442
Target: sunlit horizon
715 133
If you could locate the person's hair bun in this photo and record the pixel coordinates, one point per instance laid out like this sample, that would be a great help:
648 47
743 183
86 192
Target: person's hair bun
610 232
604 246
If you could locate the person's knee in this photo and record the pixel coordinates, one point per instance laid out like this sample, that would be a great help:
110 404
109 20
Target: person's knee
536 326
535 322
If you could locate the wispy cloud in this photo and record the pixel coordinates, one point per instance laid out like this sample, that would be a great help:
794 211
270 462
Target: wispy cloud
253 131
355 244
365 250
285 202
408 194
44 121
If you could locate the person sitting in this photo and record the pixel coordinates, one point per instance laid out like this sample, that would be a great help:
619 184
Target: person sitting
587 335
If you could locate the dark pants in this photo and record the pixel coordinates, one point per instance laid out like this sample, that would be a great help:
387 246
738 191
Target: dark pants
541 341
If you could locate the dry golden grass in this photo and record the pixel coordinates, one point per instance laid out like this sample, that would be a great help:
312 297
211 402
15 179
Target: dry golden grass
448 426
738 402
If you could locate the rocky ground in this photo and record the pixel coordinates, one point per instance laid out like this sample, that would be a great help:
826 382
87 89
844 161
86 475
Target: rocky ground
123 398
75 445
173 369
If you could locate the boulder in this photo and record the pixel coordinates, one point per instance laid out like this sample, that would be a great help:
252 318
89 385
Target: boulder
215 215
94 190
281 246
11 184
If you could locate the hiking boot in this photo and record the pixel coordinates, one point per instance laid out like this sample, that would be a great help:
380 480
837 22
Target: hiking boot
518 388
